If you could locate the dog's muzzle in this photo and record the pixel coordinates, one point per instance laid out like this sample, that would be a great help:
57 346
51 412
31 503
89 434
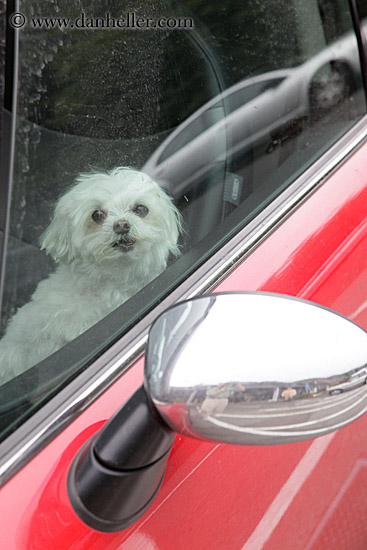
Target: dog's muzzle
124 242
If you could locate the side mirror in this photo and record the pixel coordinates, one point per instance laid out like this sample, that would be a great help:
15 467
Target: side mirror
256 368
243 368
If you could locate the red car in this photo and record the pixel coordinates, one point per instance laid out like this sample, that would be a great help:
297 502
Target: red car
227 437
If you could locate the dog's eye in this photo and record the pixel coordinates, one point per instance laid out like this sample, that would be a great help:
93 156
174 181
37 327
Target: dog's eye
141 210
98 215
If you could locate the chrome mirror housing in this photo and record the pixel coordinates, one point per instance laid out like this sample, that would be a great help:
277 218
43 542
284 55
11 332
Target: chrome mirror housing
256 368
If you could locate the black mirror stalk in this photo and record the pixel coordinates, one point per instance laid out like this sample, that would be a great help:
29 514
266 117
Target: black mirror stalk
117 474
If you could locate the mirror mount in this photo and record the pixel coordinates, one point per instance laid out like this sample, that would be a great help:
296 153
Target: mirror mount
117 474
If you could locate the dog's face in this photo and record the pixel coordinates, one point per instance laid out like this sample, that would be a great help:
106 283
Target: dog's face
118 215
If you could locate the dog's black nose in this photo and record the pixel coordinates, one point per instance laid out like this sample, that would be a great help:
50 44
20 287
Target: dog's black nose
121 227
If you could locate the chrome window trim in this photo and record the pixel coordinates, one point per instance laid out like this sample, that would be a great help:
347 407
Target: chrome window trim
32 436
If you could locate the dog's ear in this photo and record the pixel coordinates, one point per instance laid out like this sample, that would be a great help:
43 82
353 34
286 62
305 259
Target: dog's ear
173 222
57 239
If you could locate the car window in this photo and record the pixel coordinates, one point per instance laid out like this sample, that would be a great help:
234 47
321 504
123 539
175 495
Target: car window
213 112
145 137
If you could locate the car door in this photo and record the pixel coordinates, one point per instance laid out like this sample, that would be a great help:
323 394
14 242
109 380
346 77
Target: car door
257 130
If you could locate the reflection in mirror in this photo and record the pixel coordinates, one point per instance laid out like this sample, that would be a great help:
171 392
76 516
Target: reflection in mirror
256 368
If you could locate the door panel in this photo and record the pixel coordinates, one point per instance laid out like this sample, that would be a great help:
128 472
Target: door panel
334 493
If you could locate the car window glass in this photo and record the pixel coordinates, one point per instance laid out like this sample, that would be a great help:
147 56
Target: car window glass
213 113
191 118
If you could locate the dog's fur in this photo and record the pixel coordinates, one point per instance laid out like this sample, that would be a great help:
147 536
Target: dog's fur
99 268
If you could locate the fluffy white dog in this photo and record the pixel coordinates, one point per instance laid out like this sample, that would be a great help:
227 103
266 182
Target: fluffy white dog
111 234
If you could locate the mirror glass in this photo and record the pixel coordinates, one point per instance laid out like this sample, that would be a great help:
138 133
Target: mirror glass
256 368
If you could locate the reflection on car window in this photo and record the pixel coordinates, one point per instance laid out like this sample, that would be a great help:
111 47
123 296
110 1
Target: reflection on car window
137 147
212 112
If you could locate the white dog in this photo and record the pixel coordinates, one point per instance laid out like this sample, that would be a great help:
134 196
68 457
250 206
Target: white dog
112 234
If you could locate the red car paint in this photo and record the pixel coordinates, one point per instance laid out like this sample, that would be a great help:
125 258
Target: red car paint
309 495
